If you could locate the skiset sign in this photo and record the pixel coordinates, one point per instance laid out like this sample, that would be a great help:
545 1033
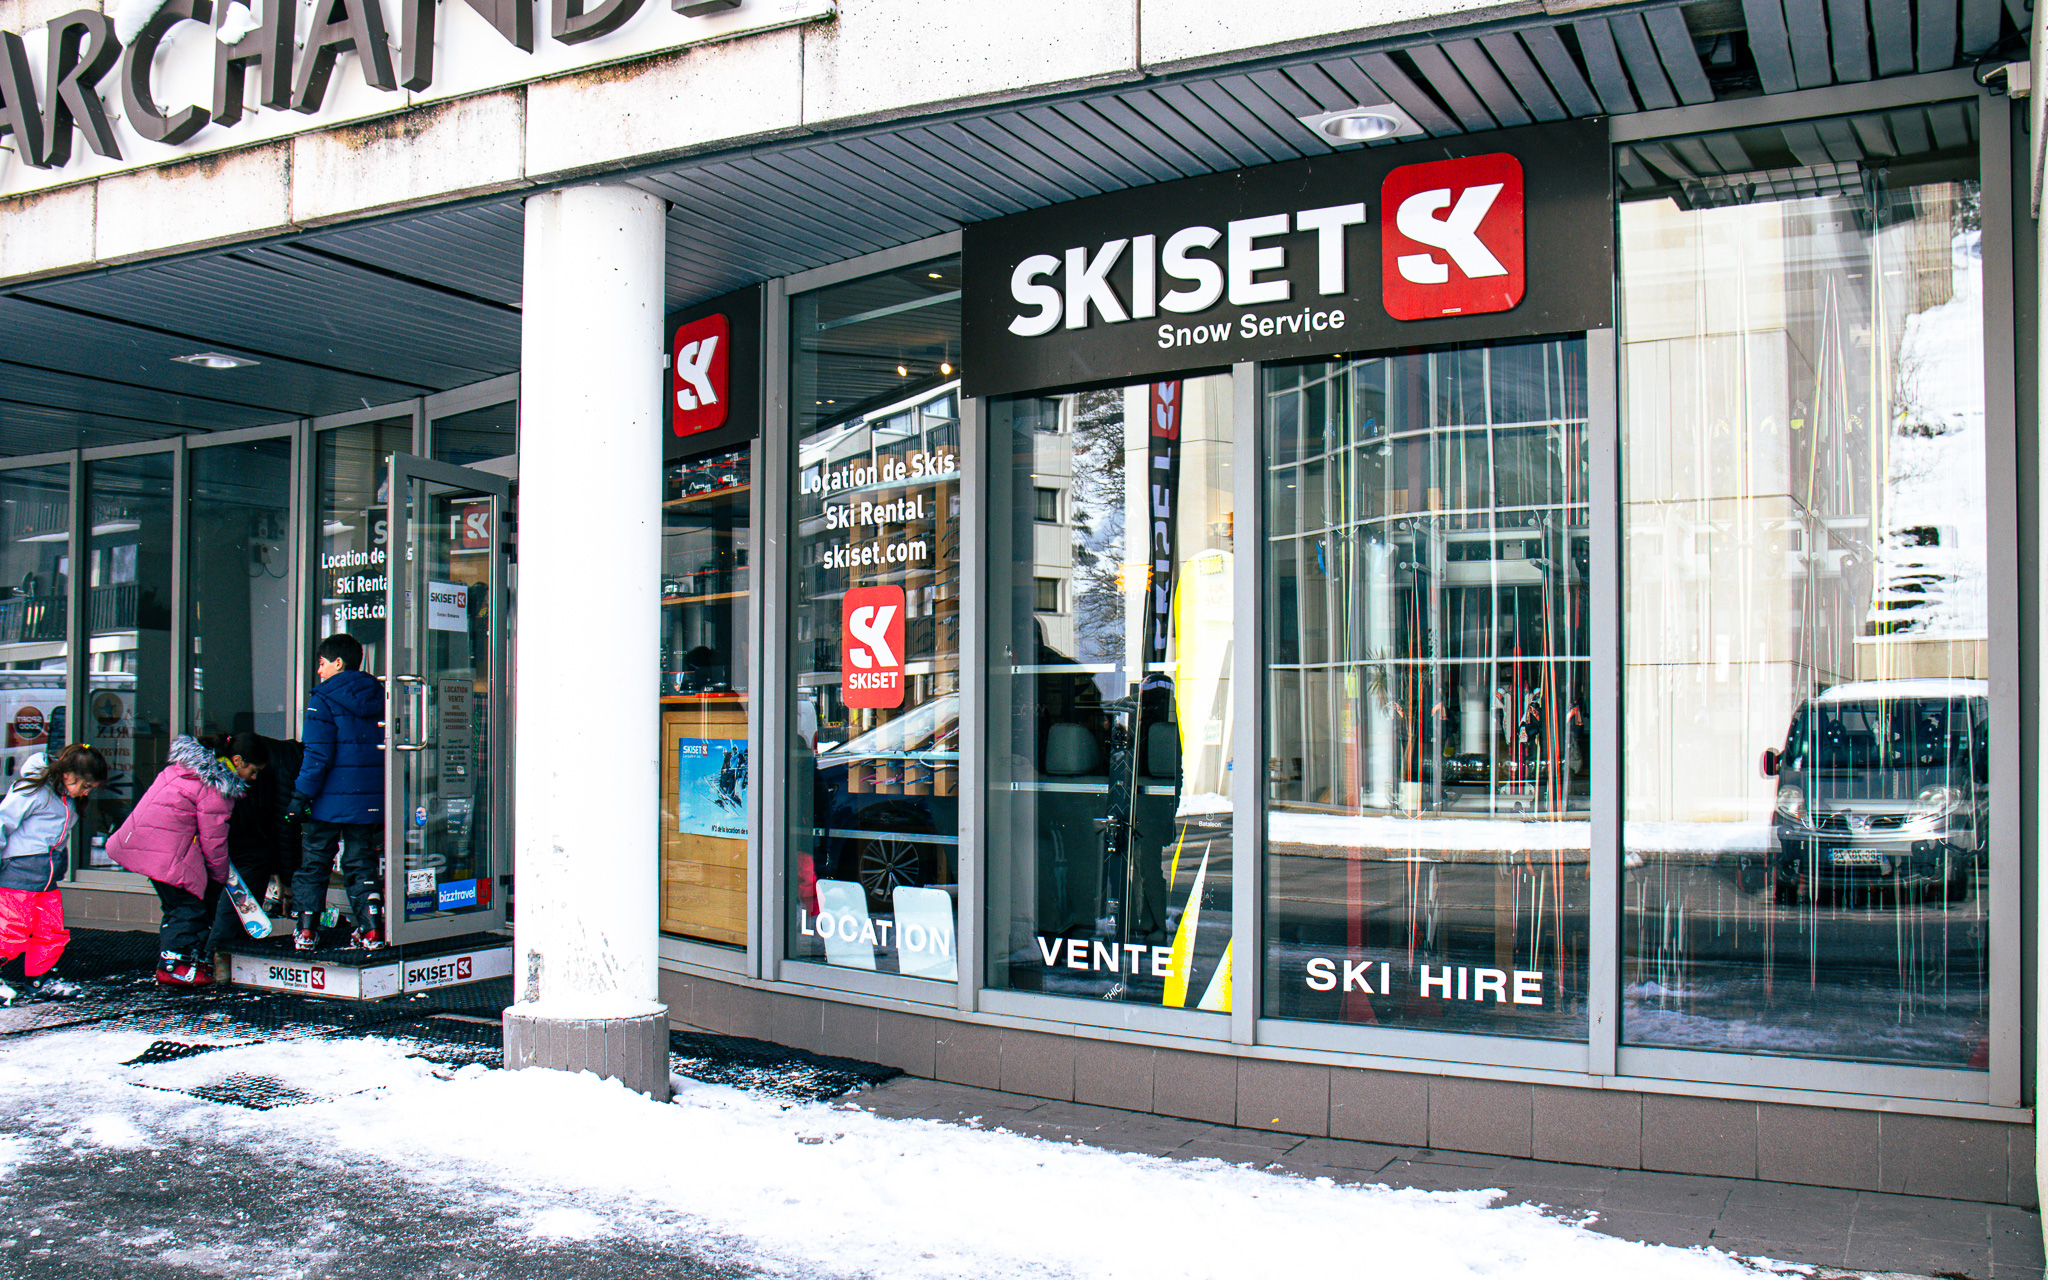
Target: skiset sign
1476 238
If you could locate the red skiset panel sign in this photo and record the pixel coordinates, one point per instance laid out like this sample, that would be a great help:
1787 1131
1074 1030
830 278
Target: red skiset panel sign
1454 246
700 375
871 647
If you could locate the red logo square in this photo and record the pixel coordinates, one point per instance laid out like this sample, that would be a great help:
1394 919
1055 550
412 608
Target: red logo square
1452 244
316 978
700 374
871 647
462 967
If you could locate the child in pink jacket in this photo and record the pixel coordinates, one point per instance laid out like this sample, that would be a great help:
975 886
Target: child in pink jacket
37 816
177 835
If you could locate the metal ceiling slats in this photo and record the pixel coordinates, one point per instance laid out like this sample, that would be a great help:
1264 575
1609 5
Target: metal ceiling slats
1005 146
1450 88
1876 139
1693 153
1910 128
1951 124
1727 152
899 181
464 249
1520 69
1681 60
1770 45
1603 65
833 163
84 393
1315 84
717 225
960 150
1284 92
1646 70
813 204
762 215
1547 47
1486 81
1161 115
1849 37
1056 135
1223 99
1122 115
1840 140
1806 26
1272 107
1406 94
1891 34
1980 26
975 185
1199 114
1803 141
1659 157
1934 37
1084 117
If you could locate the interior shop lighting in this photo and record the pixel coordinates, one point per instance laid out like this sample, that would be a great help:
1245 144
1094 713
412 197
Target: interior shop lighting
214 360
115 526
1375 123
945 368
902 372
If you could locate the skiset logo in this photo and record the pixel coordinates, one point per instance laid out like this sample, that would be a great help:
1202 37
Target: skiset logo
871 642
1453 243
701 365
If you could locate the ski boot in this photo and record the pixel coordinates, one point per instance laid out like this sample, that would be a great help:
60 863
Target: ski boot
49 987
370 935
183 972
307 935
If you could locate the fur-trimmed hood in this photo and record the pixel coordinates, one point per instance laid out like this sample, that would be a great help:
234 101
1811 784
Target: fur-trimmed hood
212 770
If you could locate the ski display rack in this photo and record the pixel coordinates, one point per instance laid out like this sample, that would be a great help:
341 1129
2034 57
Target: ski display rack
352 973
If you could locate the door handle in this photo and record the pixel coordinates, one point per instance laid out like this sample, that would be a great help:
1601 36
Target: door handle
419 721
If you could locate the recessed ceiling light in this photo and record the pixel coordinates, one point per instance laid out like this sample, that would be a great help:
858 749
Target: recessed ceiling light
902 372
945 368
1363 124
933 275
214 360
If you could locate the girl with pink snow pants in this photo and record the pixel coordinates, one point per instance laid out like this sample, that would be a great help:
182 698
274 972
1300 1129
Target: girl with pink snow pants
36 818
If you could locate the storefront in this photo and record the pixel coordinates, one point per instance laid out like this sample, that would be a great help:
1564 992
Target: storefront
1498 630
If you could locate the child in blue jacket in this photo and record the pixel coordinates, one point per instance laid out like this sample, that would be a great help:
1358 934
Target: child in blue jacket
36 818
340 790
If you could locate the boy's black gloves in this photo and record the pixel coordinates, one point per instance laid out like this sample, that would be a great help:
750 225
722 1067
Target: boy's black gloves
299 807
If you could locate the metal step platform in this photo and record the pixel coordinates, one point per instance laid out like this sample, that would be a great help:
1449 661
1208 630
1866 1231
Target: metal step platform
352 973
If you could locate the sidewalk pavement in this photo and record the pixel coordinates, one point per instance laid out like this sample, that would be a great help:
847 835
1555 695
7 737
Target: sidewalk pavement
1859 1231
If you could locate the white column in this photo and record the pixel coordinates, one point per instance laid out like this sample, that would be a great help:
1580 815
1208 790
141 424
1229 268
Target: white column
586 723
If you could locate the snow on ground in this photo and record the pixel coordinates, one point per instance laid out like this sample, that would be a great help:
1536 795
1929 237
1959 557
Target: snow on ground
785 1189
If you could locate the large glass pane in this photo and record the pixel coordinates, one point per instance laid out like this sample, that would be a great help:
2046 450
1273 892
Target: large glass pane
874 830
1111 854
479 435
1428 831
349 503
706 594
128 504
1808 783
35 585
238 562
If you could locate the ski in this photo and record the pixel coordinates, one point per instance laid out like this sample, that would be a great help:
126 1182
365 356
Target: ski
254 918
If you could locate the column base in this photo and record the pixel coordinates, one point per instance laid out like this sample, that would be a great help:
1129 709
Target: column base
633 1051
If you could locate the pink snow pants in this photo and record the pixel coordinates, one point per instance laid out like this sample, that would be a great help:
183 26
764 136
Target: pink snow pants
33 921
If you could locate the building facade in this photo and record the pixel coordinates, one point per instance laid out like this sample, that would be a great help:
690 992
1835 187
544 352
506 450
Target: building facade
866 510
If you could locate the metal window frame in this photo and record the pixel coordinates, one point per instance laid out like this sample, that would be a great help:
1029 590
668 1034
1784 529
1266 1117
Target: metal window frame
503 389
67 458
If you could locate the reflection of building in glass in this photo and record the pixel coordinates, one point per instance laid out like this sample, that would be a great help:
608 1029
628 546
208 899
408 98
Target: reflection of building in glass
1430 558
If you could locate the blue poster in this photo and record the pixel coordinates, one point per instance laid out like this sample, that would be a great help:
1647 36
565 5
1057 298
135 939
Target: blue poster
711 787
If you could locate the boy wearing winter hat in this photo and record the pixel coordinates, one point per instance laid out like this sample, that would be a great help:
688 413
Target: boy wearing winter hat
340 791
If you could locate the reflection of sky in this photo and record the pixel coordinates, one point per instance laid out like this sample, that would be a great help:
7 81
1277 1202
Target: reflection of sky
1745 1008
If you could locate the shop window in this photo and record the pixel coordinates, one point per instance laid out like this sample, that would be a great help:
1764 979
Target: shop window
1110 833
706 593
1427 789
238 598
479 435
873 816
1807 835
35 587
353 536
128 506
1047 505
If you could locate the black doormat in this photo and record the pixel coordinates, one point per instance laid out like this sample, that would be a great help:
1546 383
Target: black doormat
450 1026
761 1067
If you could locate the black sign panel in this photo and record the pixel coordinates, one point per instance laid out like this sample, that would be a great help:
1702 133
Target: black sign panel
1464 239
738 379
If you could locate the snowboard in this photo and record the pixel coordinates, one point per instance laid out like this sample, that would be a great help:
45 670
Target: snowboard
254 918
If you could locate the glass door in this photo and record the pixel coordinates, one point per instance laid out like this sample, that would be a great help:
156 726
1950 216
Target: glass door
447 817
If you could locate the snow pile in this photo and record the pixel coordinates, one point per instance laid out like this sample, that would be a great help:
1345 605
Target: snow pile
809 1187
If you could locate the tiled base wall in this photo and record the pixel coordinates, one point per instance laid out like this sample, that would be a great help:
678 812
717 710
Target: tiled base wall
1818 1146
111 909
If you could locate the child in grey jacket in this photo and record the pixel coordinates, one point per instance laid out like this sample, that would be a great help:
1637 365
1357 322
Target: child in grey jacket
36 818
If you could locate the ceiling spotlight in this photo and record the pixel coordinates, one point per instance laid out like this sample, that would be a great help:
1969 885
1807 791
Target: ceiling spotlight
945 368
932 275
1363 124
902 372
214 360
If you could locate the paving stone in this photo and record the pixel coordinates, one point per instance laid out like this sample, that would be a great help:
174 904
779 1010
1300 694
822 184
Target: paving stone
1923 1218
1368 1156
1685 1230
1639 1191
1918 1255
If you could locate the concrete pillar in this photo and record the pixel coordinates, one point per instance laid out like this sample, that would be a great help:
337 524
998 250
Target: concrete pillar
586 719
